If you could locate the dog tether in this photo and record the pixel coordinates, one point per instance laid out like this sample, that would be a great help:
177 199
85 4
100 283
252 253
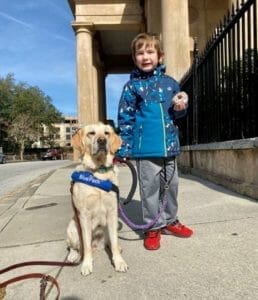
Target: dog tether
106 185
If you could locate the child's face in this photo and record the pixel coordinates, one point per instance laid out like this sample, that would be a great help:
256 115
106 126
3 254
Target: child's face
147 58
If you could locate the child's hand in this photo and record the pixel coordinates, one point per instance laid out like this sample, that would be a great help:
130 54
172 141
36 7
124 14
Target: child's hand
180 101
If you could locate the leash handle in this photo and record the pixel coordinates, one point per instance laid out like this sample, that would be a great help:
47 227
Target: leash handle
43 283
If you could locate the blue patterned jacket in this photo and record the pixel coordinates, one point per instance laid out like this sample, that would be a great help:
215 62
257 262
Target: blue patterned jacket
146 116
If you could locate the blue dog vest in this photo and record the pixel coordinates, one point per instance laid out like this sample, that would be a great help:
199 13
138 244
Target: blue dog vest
88 178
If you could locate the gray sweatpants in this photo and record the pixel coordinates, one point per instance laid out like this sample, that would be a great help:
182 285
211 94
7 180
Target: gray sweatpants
151 177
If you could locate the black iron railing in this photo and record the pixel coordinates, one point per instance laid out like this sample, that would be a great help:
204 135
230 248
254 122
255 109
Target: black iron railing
223 82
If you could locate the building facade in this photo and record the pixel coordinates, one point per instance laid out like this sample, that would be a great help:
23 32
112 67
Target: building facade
104 30
65 131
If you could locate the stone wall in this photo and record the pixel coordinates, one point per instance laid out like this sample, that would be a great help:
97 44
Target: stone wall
233 164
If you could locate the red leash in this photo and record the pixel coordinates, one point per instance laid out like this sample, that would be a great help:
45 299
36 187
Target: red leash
44 278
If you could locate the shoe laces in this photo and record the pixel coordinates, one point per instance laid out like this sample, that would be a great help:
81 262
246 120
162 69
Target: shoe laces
177 224
152 234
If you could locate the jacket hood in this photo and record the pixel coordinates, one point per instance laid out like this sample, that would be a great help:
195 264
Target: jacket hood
137 73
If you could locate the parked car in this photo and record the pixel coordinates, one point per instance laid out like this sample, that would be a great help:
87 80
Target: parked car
51 154
2 158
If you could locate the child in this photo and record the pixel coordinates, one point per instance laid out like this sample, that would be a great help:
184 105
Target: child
146 123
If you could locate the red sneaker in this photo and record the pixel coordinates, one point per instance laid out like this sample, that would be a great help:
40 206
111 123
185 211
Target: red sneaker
152 240
177 229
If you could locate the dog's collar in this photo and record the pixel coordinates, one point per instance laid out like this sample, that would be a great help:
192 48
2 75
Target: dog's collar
101 169
104 169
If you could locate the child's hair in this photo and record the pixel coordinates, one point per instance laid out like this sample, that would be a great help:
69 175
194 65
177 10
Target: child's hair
147 39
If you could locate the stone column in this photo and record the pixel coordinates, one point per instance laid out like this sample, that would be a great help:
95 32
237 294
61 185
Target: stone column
153 15
96 103
99 101
175 36
102 95
85 90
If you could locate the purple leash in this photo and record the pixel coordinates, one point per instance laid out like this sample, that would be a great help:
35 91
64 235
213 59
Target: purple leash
130 196
143 226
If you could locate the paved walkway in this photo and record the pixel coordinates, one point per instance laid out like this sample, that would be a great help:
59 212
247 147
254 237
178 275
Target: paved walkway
220 261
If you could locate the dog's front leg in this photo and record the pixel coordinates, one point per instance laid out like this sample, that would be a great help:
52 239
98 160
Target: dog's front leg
86 227
120 264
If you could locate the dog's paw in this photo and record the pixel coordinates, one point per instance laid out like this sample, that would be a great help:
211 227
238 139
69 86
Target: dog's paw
87 267
73 256
120 265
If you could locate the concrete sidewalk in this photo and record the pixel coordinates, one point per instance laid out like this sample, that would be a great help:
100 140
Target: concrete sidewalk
220 261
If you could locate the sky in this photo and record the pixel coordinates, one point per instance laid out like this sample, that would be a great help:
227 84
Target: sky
37 45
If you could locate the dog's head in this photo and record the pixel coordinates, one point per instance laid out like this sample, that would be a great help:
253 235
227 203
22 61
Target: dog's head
97 144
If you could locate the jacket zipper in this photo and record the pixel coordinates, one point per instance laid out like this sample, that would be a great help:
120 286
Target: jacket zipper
164 130
140 137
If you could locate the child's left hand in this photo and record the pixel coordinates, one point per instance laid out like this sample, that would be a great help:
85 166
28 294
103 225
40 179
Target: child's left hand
180 101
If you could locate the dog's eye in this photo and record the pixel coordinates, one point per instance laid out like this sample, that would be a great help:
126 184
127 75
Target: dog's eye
91 133
107 133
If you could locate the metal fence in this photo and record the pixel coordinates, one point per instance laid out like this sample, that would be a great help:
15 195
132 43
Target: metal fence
223 82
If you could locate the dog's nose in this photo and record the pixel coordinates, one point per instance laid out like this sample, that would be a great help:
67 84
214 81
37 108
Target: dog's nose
101 141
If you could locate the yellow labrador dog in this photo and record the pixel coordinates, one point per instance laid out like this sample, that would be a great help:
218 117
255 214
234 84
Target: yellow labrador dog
98 213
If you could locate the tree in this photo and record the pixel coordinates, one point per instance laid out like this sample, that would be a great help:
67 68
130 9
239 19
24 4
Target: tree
20 104
21 131
7 86
32 101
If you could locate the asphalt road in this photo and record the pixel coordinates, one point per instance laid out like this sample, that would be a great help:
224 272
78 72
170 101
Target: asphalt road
16 175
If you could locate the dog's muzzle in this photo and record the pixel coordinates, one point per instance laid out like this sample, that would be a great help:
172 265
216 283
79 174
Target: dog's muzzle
102 144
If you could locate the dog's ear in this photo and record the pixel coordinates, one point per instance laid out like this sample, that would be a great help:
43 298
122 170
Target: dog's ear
116 142
77 141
